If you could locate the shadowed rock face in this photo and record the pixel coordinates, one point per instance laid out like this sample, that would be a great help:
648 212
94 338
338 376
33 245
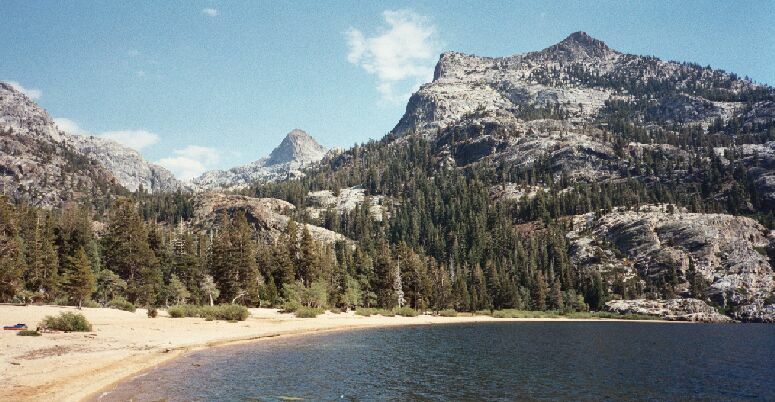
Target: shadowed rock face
728 252
297 151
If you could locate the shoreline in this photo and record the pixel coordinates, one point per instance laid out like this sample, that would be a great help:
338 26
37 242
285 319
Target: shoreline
83 366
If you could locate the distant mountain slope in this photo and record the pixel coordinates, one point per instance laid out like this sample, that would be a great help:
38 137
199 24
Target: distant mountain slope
37 165
297 150
126 164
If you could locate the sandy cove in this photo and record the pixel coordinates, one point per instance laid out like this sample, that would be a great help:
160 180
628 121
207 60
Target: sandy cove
75 366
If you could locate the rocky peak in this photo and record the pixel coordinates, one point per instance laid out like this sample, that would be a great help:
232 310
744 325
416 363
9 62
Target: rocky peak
297 146
20 113
580 45
297 151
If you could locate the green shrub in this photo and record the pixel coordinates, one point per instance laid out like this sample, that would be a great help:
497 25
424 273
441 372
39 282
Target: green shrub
365 312
183 310
448 313
67 321
308 312
335 310
122 304
152 312
407 312
291 306
90 304
385 312
225 312
28 332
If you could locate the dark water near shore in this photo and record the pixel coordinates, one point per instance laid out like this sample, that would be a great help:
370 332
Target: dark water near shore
499 361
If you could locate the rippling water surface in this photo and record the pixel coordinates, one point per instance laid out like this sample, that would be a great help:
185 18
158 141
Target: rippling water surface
499 361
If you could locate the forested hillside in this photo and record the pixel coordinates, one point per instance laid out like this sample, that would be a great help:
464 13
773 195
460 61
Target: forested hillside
562 180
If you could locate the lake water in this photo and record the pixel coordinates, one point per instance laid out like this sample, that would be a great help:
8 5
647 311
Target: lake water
498 361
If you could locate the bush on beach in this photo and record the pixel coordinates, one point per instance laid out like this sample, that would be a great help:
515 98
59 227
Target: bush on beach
67 321
225 312
122 304
308 312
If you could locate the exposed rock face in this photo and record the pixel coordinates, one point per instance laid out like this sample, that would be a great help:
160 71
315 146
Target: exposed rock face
554 104
345 201
37 165
297 146
728 252
266 215
126 164
297 151
671 309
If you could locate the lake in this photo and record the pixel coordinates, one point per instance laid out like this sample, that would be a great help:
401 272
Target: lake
492 361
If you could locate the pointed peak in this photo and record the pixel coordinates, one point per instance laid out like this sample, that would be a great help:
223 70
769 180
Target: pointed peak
297 146
583 38
581 44
297 133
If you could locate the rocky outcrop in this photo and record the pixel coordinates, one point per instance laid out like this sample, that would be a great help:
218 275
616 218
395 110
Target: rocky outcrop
345 200
37 165
268 216
297 151
126 164
671 309
729 253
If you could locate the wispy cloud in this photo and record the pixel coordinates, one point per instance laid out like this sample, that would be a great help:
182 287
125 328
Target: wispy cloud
401 55
210 12
135 139
191 161
30 92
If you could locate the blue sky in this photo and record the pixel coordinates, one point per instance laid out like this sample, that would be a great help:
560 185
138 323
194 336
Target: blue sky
211 84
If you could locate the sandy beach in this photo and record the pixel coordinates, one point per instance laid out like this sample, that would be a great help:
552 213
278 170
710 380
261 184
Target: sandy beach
76 366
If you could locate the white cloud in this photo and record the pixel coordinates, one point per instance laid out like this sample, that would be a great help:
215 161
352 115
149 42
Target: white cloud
30 92
190 161
69 126
210 12
402 55
185 163
135 139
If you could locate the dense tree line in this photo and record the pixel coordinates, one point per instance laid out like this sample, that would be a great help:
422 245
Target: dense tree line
442 241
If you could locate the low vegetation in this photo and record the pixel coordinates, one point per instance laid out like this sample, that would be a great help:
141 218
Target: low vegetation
122 304
67 321
152 312
448 313
28 332
407 312
225 312
308 312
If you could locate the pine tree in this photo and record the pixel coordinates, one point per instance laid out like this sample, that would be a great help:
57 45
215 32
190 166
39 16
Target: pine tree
555 296
126 252
539 292
11 254
79 282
